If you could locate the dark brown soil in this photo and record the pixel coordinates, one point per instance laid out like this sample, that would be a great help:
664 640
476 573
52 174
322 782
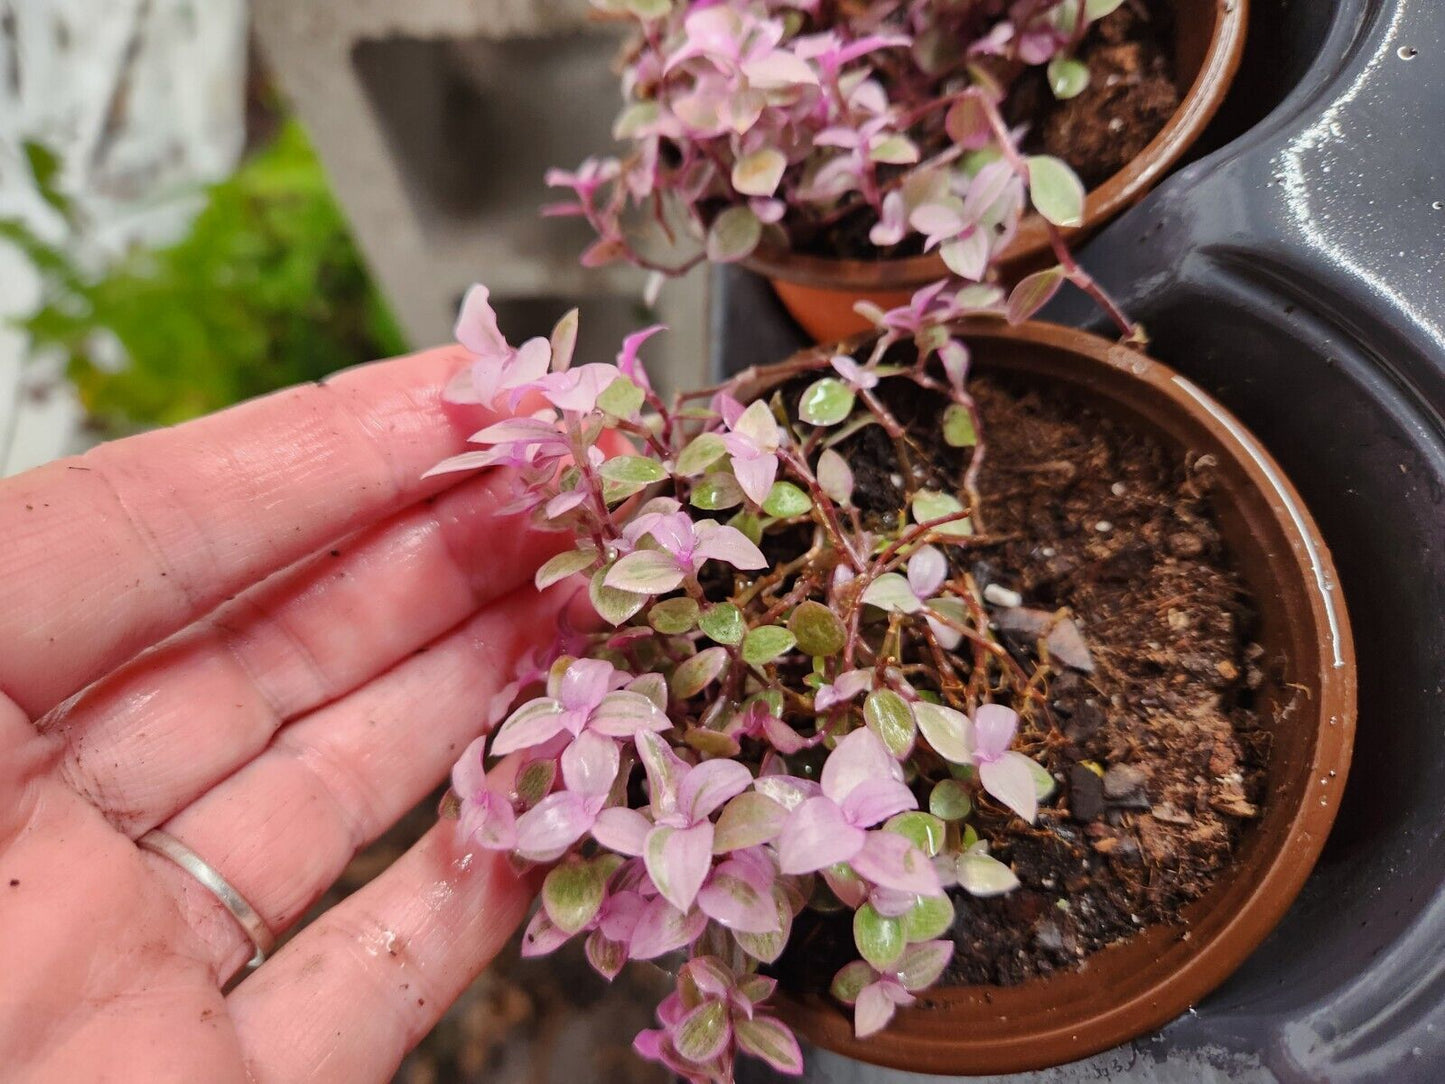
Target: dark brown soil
1158 755
1131 95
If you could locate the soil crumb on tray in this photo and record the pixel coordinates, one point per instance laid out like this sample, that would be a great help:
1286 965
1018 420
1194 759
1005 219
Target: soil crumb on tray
1107 536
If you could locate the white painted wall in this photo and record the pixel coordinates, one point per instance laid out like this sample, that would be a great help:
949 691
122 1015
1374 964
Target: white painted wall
144 101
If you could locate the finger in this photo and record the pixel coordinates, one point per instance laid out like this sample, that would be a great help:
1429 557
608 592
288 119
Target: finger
283 828
106 553
360 987
146 740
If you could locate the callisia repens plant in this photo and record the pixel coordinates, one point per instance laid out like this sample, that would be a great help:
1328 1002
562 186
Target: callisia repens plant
776 122
788 699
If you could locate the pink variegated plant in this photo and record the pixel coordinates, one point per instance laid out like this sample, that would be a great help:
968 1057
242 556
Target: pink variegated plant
790 123
792 698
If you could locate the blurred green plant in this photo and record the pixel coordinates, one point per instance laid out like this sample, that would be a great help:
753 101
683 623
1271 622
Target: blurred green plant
266 290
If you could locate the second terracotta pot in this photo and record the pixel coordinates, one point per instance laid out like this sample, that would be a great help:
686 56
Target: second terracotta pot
1308 697
820 292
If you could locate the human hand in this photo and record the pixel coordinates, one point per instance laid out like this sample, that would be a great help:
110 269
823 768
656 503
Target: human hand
263 633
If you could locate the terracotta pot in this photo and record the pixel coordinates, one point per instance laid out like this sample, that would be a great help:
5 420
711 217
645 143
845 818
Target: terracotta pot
820 292
1132 988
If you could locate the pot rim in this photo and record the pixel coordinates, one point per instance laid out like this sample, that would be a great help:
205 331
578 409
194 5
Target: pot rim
1121 191
1072 1029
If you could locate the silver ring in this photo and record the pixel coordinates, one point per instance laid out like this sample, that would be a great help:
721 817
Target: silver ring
168 846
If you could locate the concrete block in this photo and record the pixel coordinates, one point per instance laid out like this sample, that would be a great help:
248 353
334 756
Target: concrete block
436 121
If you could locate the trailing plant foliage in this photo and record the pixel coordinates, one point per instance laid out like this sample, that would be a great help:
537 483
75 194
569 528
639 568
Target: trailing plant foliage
774 122
788 700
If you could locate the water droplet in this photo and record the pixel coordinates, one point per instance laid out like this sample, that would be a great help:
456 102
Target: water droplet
1438 205
1407 52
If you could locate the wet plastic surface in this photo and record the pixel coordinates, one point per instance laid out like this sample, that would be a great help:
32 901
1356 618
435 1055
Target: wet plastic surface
1298 273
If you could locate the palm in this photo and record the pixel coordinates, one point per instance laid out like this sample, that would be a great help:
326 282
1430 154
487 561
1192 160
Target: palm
263 633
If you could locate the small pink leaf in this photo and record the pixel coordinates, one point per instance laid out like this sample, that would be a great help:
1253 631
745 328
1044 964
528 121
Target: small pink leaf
476 327
589 765
519 431
531 724
858 757
686 857
626 714
935 219
850 980
489 821
922 964
663 928
927 569
665 772
784 738
767 947
817 835
891 591
586 682
1033 292
620 915
622 830
694 675
739 897
948 731
967 256
756 476
778 68
749 820
889 860
646 572
987 187
703 1034
1011 781
994 727
875 800
851 889
835 477
707 786
873 1010
572 894
788 791
465 461
721 543
771 1040
605 955
758 425
756 988
542 936
545 831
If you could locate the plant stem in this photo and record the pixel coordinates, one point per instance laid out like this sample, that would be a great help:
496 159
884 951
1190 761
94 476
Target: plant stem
1086 282
1076 274
824 504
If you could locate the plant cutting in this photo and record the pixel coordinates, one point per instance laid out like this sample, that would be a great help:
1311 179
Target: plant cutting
856 148
840 725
